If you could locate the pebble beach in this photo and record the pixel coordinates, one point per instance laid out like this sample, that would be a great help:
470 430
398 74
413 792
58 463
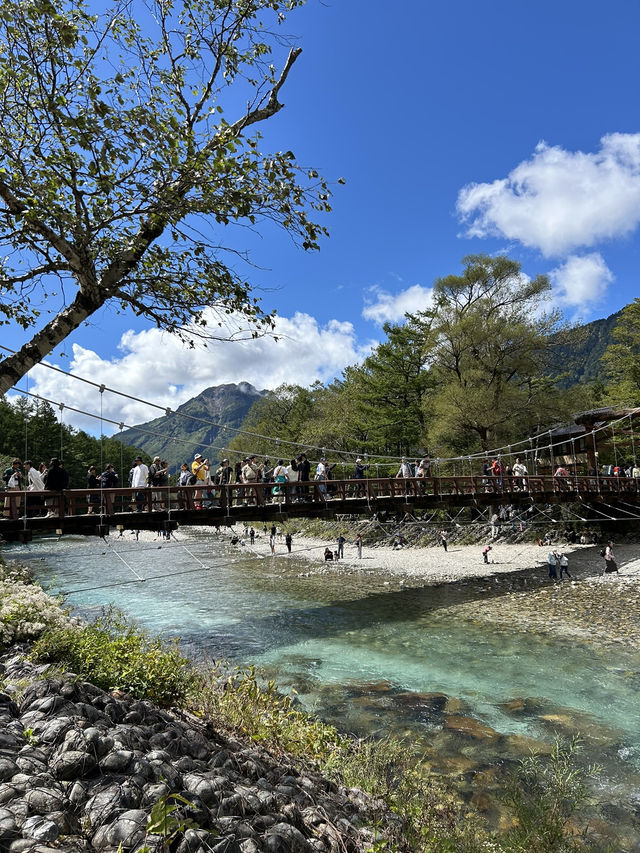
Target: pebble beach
591 605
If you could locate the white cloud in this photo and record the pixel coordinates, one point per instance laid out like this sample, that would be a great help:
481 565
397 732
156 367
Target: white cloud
558 200
581 281
156 366
390 308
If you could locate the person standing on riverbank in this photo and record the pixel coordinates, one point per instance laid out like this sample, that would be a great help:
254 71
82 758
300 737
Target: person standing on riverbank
288 539
485 553
610 564
341 540
553 565
358 544
443 539
564 566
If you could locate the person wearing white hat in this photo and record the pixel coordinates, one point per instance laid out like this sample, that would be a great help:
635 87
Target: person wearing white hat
360 475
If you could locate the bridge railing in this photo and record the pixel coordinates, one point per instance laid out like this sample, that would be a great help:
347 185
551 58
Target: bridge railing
113 501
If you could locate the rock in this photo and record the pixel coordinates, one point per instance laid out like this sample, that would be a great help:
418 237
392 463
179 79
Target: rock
470 727
250 846
23 845
128 829
40 828
283 838
9 792
199 841
102 806
454 705
514 706
8 827
116 761
8 769
31 761
42 801
10 742
53 731
209 790
73 764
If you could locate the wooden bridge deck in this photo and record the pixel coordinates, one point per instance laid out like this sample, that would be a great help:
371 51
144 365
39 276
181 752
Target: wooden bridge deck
95 512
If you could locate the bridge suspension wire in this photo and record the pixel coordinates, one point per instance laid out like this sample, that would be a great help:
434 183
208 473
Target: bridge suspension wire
498 451
168 411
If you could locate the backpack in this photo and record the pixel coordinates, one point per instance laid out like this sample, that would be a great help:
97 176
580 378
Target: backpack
192 479
603 551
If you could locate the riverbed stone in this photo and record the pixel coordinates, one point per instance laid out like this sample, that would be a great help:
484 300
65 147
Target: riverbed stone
470 727
284 838
8 769
42 801
8 826
73 764
128 829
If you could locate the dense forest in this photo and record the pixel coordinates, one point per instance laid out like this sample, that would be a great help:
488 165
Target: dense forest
31 430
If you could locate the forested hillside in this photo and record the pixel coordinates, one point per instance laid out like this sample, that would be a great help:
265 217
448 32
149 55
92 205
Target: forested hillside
194 426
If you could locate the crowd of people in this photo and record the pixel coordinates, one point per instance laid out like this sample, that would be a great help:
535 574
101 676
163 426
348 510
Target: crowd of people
27 477
297 480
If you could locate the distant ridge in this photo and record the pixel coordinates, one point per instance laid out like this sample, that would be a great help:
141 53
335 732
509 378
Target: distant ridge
179 438
581 358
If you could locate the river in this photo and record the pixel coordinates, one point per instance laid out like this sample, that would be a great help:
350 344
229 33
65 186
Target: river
373 656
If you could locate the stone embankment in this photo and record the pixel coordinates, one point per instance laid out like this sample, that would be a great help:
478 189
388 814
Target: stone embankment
81 770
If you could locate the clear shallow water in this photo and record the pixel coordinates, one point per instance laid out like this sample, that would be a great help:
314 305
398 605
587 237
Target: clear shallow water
362 653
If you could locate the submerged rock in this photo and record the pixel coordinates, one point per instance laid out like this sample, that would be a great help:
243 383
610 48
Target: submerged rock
469 727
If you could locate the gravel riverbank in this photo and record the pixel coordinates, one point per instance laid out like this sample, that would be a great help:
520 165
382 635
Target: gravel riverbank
591 605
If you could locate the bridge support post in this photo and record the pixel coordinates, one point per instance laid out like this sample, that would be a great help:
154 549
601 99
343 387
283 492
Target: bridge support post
102 530
25 536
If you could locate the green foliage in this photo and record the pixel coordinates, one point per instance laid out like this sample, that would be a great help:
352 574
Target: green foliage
258 711
492 356
34 428
545 793
162 820
115 655
285 413
127 148
429 818
622 358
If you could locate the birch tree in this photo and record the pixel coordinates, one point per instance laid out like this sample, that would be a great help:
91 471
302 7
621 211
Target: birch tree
129 141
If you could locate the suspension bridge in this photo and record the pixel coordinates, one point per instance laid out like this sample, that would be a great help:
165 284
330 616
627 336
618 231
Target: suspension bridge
97 512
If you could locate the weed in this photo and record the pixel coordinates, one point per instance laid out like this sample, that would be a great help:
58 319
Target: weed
114 654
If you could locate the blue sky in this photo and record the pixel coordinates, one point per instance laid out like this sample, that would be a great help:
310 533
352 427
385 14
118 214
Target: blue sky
459 127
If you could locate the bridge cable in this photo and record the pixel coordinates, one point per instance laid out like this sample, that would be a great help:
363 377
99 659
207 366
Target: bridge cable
494 452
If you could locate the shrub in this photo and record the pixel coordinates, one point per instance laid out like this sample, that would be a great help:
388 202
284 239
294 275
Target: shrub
114 654
240 702
26 611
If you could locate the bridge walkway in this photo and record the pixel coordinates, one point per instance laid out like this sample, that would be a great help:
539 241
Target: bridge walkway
96 512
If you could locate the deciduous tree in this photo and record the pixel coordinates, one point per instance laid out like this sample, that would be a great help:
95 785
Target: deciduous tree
492 355
128 142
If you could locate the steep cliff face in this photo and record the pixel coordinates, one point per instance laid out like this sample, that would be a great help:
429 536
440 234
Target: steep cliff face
177 437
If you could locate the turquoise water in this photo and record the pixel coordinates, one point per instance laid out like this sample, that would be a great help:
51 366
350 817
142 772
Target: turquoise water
361 650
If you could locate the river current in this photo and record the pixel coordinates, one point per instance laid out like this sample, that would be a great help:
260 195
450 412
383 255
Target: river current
373 656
